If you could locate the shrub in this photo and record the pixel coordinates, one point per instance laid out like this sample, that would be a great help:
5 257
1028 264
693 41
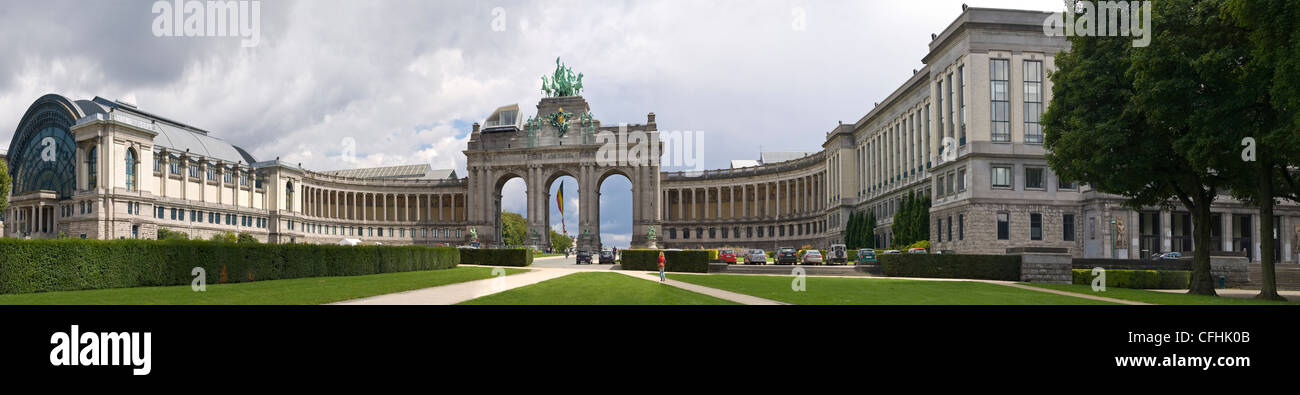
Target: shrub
690 261
985 267
497 257
225 237
1140 279
245 238
168 234
76 264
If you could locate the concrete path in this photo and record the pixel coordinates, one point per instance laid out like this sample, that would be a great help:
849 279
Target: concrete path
1065 293
460 292
1237 293
714 292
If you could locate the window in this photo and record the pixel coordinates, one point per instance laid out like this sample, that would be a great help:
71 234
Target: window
212 173
1035 226
288 196
939 186
1067 227
157 164
961 103
1004 226
1063 185
961 227
1033 178
939 230
173 166
1092 228
91 159
1181 229
227 177
999 75
961 179
1002 176
949 227
952 181
194 169
1033 101
131 163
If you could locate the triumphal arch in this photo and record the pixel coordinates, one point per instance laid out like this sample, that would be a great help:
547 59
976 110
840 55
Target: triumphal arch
563 138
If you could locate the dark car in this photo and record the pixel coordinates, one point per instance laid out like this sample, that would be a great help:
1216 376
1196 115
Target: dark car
607 257
787 256
584 257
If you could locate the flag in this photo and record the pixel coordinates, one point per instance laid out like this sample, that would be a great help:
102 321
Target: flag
559 201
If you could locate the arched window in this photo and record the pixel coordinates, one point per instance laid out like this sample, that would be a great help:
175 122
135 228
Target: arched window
90 167
131 163
288 196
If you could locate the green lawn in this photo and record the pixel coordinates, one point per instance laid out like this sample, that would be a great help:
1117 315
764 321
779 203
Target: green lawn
597 288
315 290
1140 295
877 291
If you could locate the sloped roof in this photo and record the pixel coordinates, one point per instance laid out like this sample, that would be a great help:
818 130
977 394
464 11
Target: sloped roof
421 171
774 157
172 135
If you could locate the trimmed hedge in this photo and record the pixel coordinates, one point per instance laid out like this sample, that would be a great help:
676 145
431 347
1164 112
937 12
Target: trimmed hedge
518 257
1139 279
983 267
687 261
76 264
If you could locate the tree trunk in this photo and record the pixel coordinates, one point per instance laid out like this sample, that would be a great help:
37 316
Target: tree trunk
1202 283
1267 290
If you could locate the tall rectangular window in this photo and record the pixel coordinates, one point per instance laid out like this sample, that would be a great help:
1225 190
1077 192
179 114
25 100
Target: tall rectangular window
1004 226
999 76
943 132
1035 226
939 230
949 227
961 104
1067 227
1033 101
961 227
961 179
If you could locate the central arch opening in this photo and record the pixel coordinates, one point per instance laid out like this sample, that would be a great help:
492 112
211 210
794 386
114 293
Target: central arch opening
511 212
563 225
616 205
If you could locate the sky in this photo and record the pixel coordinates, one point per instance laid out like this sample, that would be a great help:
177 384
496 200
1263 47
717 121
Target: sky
406 79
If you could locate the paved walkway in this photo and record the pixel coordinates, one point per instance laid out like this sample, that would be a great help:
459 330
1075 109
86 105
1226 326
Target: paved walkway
1237 293
714 292
460 292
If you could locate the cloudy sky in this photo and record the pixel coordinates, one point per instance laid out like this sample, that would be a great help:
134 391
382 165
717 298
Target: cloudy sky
405 79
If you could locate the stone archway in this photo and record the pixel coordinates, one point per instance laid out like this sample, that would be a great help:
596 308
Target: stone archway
541 152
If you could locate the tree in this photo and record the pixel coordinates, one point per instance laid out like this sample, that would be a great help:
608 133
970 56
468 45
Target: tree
1150 123
912 221
225 237
560 242
4 186
245 238
1272 82
869 230
513 229
852 236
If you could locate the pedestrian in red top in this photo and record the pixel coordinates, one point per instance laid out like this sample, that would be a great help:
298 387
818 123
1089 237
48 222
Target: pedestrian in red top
662 278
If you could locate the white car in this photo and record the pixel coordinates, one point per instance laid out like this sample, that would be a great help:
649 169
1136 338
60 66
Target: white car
811 257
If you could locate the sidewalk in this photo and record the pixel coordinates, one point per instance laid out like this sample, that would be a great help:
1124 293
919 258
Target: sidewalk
714 292
460 292
1238 293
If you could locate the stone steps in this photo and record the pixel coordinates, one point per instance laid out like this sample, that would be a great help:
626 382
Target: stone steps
1287 276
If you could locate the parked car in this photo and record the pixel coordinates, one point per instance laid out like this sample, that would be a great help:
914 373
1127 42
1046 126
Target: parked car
607 257
838 254
787 256
1168 256
892 252
917 250
866 256
584 257
756 257
727 256
811 257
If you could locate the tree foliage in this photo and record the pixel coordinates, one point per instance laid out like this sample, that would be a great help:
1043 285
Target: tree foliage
1154 123
560 242
912 220
4 186
514 230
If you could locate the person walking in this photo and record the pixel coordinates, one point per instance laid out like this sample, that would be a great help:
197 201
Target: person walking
662 278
